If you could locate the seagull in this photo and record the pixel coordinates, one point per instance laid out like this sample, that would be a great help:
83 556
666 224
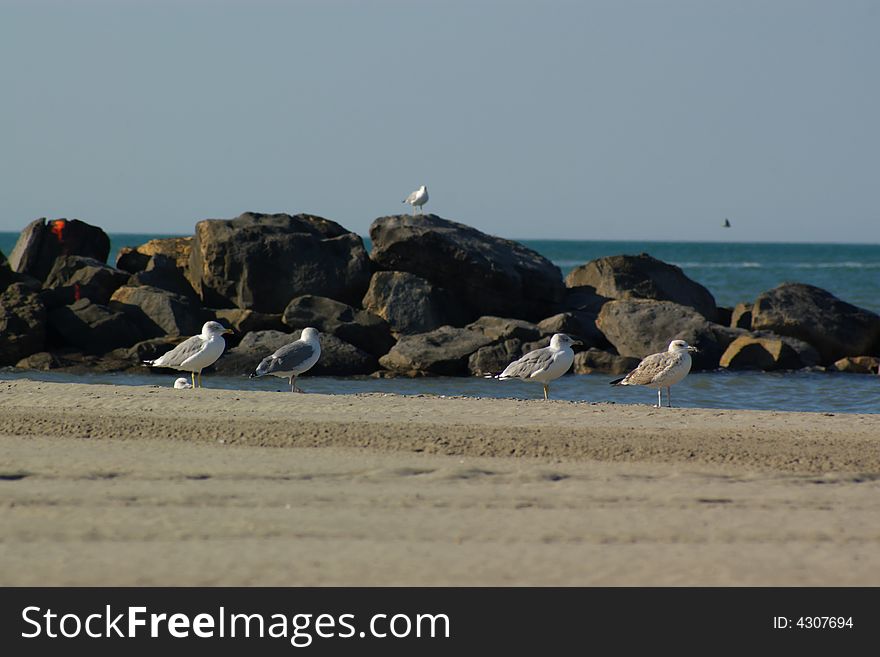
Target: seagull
196 353
418 198
292 359
661 370
726 223
182 383
543 365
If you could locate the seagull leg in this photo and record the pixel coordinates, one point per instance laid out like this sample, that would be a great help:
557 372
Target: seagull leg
546 392
659 397
292 377
194 379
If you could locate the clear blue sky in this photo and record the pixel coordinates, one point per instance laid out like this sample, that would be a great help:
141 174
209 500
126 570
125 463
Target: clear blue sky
586 120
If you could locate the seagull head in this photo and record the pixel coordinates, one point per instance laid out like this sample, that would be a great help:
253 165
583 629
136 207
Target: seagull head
210 329
561 340
680 345
310 334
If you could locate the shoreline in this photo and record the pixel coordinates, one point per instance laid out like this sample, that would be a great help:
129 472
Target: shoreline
150 486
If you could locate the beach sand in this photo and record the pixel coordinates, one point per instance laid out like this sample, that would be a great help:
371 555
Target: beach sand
124 485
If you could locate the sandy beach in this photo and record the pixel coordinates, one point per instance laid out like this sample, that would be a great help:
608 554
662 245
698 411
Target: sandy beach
125 485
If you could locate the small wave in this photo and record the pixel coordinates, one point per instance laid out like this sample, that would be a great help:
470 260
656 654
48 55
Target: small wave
719 265
835 265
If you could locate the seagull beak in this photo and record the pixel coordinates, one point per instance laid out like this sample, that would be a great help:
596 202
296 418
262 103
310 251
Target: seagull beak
577 342
229 330
694 349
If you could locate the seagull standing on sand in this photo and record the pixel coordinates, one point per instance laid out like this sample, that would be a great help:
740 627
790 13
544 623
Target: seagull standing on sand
196 353
661 370
292 359
418 198
543 365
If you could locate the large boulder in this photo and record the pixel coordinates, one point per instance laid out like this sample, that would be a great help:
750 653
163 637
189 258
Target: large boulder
338 358
93 328
834 327
361 328
78 277
582 305
162 272
639 327
493 358
41 242
643 277
597 361
260 261
245 321
487 274
157 312
858 365
769 352
741 317
22 323
134 259
443 351
411 304
498 329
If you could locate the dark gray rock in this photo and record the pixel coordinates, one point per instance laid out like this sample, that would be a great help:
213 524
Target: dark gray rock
42 360
488 275
41 242
162 272
741 317
411 304
77 277
443 351
639 327
834 327
156 312
261 262
22 323
498 329
92 328
245 321
338 358
643 277
494 358
597 361
361 328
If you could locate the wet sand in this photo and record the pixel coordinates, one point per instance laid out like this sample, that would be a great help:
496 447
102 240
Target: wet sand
124 485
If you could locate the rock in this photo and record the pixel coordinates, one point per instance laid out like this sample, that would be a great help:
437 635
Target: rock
502 328
443 351
358 327
494 358
741 317
639 327
581 325
245 321
724 316
603 362
135 259
40 243
149 349
643 277
76 277
858 365
156 312
22 323
411 304
338 358
260 262
749 352
487 274
42 360
162 272
835 328
92 328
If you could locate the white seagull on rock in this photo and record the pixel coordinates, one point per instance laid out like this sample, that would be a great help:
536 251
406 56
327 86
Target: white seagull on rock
543 365
196 353
418 198
661 370
292 359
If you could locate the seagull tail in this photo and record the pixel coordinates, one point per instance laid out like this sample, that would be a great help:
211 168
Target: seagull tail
616 382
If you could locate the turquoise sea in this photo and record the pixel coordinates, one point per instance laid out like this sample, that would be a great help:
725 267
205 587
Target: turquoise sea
732 271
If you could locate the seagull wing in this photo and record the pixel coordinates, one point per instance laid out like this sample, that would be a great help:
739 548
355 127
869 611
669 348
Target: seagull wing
180 354
529 365
288 358
651 367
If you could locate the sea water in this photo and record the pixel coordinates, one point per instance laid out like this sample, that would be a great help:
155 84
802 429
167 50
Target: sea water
734 272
